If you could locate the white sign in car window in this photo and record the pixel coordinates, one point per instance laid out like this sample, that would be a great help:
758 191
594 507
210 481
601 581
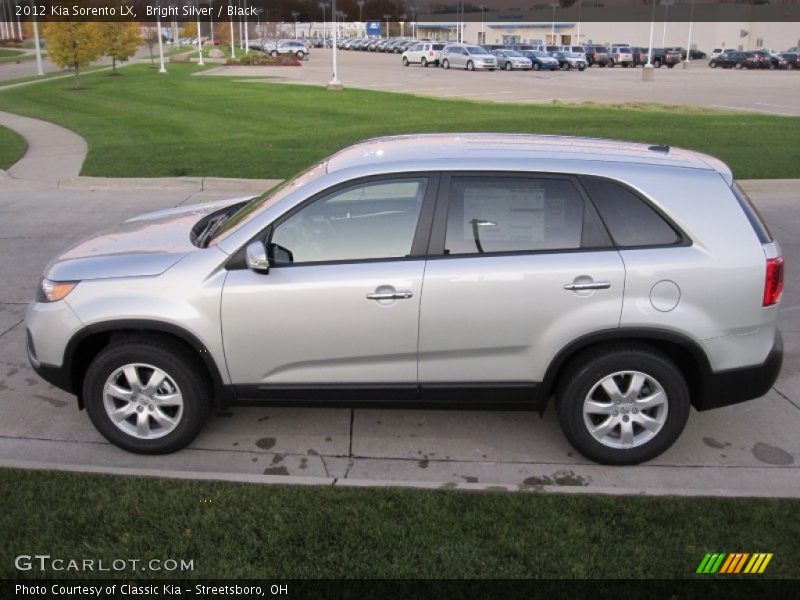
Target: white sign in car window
511 213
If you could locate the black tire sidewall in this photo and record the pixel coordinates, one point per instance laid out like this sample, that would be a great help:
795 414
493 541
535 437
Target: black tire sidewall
582 378
190 380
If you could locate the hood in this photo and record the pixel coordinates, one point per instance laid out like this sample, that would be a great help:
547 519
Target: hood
146 245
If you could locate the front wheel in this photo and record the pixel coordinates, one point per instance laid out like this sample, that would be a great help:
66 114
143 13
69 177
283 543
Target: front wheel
405 61
712 64
536 66
446 63
424 62
470 65
622 404
300 54
274 54
149 396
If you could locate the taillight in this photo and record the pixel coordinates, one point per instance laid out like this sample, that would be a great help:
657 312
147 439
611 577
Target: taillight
773 283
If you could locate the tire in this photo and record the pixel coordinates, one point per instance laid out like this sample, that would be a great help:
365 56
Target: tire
300 54
772 66
625 65
789 67
713 64
567 66
446 63
671 66
739 66
657 64
424 62
405 61
581 69
470 66
620 363
508 66
274 54
536 66
184 378
611 64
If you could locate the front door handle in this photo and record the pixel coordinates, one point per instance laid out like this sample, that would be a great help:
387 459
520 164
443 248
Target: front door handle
589 285
403 295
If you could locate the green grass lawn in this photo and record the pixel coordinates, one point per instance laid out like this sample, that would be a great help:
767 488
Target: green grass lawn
150 125
243 530
12 147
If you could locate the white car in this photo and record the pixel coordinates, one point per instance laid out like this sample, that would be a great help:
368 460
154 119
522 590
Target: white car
424 53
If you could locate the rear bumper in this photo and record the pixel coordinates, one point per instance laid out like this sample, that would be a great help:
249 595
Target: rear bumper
732 386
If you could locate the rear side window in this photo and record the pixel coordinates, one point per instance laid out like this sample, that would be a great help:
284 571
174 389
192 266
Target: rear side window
630 219
512 214
764 235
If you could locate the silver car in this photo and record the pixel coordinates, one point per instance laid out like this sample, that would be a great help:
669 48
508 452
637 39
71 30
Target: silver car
511 59
467 56
623 281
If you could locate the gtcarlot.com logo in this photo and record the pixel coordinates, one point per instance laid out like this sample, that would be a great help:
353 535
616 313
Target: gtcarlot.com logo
734 562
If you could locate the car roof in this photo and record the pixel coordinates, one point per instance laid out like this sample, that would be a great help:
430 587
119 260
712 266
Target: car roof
424 148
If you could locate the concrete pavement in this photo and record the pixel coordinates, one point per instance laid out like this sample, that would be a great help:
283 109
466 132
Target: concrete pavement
750 449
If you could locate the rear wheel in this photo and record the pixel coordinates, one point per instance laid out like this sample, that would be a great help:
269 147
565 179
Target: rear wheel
739 65
446 63
470 65
300 54
424 62
274 54
148 396
713 64
508 66
536 66
622 404
657 63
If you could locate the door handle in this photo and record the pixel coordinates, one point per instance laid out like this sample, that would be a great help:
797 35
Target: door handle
405 295
589 285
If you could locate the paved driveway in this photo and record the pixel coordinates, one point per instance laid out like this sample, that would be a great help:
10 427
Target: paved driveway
749 449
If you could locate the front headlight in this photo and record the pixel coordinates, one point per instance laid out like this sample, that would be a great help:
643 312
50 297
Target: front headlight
53 291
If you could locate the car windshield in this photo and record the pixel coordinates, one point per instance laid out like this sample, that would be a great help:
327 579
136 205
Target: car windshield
541 54
438 46
268 198
512 53
574 55
475 50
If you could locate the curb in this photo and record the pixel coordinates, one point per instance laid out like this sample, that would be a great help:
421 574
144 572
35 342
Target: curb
189 184
381 483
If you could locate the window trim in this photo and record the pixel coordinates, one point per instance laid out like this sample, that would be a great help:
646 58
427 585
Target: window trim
683 239
419 242
439 229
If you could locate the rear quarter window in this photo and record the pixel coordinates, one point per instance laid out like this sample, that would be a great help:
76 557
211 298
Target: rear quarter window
630 219
756 222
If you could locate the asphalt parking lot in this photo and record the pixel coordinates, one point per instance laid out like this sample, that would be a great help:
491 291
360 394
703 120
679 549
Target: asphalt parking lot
773 92
748 449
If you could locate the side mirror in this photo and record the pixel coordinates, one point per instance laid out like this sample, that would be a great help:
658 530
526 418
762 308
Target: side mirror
256 258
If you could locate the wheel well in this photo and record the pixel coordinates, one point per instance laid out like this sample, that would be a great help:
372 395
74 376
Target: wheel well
692 366
88 347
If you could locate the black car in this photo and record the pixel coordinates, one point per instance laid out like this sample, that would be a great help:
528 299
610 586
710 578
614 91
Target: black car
729 60
697 55
790 60
541 61
665 57
597 55
569 60
639 55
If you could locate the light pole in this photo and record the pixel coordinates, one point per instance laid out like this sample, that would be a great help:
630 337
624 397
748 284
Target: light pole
578 33
246 32
323 6
360 5
647 71
483 30
160 46
233 41
199 42
402 25
334 83
666 4
39 70
553 5
211 25
386 17
689 41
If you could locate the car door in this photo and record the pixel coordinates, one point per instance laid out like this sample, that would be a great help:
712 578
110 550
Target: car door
338 308
520 267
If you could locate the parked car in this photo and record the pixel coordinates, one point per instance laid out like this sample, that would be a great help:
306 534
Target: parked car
570 60
541 60
299 49
697 55
638 56
761 59
512 59
789 60
467 56
424 53
596 55
645 304
729 60
620 55
665 57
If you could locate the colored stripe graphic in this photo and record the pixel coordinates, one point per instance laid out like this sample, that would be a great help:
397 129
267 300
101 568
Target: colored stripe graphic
734 563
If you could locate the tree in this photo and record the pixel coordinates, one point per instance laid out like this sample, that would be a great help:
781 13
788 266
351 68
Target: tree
119 41
74 45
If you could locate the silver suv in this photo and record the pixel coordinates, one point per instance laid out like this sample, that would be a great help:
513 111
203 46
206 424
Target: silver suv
626 282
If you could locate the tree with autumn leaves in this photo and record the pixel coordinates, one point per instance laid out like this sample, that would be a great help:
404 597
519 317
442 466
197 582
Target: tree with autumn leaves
75 45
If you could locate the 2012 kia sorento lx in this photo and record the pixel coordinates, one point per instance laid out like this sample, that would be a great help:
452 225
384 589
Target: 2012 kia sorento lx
625 282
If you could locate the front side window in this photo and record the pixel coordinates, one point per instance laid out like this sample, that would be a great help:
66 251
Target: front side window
370 220
508 214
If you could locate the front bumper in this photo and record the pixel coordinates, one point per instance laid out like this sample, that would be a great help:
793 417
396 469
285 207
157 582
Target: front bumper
49 328
732 386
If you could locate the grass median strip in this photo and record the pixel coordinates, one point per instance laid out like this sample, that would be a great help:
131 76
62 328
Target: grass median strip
245 530
12 147
145 124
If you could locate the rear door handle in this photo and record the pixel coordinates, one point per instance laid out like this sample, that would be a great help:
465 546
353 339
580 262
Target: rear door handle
403 295
589 285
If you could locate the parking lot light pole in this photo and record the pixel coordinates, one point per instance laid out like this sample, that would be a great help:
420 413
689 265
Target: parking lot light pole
386 18
323 6
160 46
647 72
233 42
39 70
360 5
689 41
334 84
199 45
553 5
